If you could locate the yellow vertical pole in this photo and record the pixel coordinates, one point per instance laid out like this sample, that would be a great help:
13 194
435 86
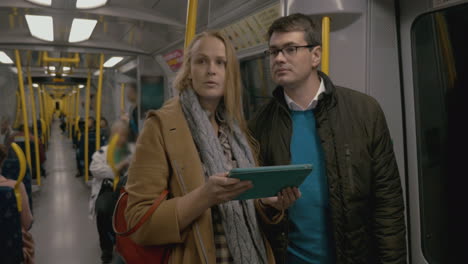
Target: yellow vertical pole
122 97
72 114
325 44
34 121
77 111
41 109
41 113
18 110
191 22
23 106
86 150
98 103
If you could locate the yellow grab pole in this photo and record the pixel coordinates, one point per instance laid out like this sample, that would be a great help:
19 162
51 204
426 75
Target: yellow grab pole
23 106
42 115
41 110
34 121
86 146
191 22
98 104
22 172
325 44
122 98
43 125
18 110
72 115
110 159
77 111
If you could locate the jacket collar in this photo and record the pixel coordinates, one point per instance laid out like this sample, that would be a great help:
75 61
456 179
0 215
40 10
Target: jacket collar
328 99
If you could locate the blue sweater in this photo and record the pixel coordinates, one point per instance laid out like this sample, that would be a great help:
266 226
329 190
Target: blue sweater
309 232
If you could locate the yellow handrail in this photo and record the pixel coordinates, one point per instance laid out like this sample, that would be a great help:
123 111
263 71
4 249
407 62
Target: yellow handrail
110 158
23 106
44 130
122 98
34 121
98 104
191 24
77 111
325 44
22 172
86 150
75 59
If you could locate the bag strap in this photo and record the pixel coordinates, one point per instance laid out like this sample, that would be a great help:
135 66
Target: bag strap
145 217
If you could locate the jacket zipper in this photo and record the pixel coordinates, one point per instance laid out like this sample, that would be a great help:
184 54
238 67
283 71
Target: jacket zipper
196 225
350 168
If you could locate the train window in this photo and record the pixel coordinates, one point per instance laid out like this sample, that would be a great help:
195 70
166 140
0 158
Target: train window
440 63
257 82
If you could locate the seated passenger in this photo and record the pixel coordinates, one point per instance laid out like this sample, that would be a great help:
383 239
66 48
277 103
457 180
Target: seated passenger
187 147
103 197
26 215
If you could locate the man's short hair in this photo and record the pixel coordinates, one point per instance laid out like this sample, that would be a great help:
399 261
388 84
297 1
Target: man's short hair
297 22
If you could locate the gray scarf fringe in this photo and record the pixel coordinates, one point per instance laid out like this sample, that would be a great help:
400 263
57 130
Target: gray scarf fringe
239 219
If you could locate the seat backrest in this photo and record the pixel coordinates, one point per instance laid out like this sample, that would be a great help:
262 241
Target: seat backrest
11 242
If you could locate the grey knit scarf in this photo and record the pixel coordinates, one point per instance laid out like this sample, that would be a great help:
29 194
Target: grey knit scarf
240 224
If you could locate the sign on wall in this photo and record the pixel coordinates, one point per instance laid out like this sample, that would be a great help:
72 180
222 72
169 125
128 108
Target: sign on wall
174 59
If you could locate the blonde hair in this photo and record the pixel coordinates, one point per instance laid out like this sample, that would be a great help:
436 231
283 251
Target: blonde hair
232 98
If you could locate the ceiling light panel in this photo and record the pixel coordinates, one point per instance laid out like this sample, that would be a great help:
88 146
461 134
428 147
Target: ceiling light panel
4 58
112 62
81 29
86 4
41 27
42 2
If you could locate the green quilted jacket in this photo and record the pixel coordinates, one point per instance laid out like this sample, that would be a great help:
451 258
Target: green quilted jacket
365 194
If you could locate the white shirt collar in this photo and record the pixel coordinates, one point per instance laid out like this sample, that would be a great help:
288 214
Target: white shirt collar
296 107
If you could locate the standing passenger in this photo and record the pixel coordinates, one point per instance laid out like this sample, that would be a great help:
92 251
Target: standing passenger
351 210
26 215
187 147
103 197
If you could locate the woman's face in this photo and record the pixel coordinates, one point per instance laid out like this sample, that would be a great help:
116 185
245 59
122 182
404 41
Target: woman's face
208 68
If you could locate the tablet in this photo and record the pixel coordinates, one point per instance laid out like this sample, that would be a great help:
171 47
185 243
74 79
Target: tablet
268 181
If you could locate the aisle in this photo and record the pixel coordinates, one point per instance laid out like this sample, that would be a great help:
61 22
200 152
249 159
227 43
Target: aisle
62 230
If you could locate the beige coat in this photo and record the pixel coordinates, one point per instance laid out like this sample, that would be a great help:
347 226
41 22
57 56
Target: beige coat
166 157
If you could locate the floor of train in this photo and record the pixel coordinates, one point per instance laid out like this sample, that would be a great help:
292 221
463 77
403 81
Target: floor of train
62 231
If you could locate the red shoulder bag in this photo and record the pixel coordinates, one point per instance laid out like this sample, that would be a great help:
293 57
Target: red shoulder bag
129 250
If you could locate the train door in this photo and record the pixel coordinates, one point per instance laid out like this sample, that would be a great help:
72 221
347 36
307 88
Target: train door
434 64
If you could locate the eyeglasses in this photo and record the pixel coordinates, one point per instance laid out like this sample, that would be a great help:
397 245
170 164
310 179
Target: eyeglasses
288 51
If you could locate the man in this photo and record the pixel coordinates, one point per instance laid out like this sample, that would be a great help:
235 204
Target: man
103 198
132 116
351 209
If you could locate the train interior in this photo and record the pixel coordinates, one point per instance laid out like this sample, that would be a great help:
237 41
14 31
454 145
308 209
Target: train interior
64 60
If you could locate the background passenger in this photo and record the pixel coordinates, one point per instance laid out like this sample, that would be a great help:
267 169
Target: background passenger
187 147
103 197
26 215
352 206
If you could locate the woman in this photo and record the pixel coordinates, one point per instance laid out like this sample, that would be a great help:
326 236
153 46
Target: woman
103 197
26 215
187 147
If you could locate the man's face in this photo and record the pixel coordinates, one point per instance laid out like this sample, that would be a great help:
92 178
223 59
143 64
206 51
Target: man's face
292 66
